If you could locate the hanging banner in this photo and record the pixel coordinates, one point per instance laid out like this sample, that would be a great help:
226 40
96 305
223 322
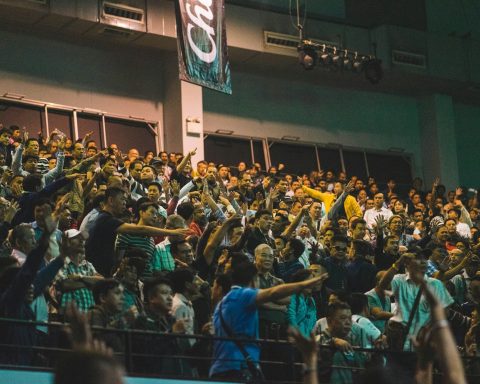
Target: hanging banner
202 43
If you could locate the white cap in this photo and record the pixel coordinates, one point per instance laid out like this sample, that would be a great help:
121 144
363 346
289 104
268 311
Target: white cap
71 233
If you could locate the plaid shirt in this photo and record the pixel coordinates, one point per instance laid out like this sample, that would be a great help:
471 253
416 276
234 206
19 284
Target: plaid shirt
83 297
162 257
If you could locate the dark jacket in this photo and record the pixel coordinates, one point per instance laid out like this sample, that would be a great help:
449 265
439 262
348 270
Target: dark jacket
27 201
13 305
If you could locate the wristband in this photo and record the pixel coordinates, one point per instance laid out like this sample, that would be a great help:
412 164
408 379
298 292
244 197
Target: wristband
439 324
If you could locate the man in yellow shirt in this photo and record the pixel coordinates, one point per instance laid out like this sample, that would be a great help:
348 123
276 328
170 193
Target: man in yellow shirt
350 205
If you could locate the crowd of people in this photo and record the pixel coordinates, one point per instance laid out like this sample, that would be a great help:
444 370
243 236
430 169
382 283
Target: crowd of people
358 272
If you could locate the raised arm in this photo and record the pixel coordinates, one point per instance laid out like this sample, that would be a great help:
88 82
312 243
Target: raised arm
283 290
215 240
185 160
296 221
444 345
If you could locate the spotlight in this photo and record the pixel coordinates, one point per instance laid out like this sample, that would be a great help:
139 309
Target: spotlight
325 56
347 62
374 71
307 55
337 60
358 63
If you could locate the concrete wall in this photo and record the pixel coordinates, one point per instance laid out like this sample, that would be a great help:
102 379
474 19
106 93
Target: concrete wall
262 107
467 124
127 82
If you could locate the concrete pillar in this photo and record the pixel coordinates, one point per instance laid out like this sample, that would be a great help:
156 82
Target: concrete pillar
183 102
439 147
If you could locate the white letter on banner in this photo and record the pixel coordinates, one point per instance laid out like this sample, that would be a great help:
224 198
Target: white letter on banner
207 57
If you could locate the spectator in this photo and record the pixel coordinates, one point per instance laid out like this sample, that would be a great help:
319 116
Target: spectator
185 291
77 276
290 255
100 244
335 264
379 304
162 257
360 272
378 210
406 290
238 312
302 312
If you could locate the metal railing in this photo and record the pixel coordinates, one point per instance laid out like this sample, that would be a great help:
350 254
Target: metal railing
142 355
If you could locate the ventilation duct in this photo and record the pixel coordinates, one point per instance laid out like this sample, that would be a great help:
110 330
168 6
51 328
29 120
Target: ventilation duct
123 12
409 59
123 16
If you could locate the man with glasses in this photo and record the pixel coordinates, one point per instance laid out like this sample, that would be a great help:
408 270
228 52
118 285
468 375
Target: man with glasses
261 231
336 264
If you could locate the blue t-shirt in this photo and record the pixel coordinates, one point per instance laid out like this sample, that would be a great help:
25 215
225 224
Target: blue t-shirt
240 313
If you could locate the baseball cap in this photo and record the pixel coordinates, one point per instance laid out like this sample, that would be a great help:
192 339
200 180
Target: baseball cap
71 233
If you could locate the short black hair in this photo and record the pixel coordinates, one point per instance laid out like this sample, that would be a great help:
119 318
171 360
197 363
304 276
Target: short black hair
262 212
135 257
158 185
27 143
225 281
102 287
25 158
185 210
243 273
180 277
336 306
297 246
151 284
175 244
32 182
113 192
356 222
133 163
42 201
358 302
6 130
151 167
144 206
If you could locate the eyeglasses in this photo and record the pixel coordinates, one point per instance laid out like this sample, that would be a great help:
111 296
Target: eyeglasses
339 248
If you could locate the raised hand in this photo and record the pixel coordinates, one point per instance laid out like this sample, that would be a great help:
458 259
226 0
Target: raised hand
350 186
380 223
61 143
24 136
175 187
11 211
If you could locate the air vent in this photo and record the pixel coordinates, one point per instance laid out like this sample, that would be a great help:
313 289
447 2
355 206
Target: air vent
117 33
280 40
124 12
409 59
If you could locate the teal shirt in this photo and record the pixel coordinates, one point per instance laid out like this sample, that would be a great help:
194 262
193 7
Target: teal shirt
405 291
302 313
375 301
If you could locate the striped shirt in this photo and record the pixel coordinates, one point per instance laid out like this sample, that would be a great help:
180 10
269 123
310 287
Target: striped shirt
145 243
